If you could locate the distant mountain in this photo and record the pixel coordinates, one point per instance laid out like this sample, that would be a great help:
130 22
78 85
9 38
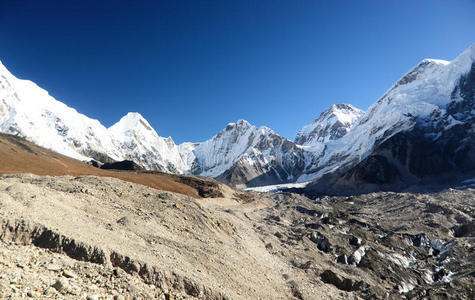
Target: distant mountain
422 125
422 131
139 142
332 124
243 154
28 111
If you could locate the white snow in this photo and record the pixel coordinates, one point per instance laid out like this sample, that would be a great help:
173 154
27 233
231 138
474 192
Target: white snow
423 90
276 187
342 135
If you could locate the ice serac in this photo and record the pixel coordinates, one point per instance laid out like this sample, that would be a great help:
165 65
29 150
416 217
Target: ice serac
421 128
332 124
138 141
243 154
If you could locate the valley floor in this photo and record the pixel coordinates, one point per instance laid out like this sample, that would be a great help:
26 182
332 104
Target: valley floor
72 237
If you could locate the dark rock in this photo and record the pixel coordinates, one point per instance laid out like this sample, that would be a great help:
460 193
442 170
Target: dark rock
95 163
440 274
344 284
126 165
342 259
465 230
123 221
303 210
322 242
420 240
206 187
354 241
313 226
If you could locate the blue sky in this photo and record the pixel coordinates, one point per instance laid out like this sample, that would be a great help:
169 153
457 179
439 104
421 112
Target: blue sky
191 67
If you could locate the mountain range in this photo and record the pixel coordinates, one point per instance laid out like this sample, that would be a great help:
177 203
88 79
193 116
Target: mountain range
422 126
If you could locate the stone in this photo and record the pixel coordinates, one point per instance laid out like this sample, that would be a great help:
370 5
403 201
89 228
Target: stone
168 296
354 241
61 285
53 267
123 221
322 242
342 259
68 274
344 284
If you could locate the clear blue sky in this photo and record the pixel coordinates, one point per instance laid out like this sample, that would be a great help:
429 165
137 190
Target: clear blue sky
191 67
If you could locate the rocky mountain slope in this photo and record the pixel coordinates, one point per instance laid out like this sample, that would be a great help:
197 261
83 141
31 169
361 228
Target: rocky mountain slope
332 124
98 238
421 132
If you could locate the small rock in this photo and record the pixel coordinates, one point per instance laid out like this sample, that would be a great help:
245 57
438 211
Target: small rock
61 285
168 296
354 241
119 297
329 277
322 242
123 221
68 274
53 267
92 297
342 259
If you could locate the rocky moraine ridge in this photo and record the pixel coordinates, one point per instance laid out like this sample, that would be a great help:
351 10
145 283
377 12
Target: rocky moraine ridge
102 238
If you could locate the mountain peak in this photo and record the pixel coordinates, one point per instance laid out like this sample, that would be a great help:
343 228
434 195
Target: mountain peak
332 124
239 123
130 121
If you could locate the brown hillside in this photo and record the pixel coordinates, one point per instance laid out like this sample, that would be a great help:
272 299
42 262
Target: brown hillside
17 155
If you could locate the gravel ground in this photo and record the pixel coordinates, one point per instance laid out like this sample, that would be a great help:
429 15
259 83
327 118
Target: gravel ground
98 238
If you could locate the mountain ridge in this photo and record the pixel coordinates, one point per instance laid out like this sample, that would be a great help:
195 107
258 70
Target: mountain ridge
243 154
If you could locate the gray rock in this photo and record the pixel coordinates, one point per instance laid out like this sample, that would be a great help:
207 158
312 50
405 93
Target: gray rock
61 285
322 242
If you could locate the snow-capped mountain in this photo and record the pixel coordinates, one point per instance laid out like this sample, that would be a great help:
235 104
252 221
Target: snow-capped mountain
28 111
245 154
426 90
139 142
332 124
435 99
422 127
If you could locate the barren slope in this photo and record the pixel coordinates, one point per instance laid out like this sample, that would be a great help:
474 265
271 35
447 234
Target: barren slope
20 156
262 246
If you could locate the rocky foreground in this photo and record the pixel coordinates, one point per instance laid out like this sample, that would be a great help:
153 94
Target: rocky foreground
89 237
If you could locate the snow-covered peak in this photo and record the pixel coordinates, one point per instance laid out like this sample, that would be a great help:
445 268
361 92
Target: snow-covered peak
131 121
424 91
236 140
332 124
